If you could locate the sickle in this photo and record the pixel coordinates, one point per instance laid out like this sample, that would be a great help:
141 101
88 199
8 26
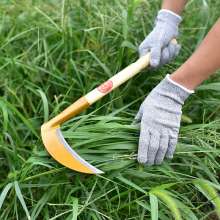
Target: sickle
51 134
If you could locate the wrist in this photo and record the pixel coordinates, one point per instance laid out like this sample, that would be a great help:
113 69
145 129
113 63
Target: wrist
175 6
179 84
172 91
172 13
169 17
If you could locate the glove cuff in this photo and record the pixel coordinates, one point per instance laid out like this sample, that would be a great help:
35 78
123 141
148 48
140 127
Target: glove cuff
169 17
174 91
177 84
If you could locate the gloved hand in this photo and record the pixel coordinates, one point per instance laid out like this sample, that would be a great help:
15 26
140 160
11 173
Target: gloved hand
158 42
160 116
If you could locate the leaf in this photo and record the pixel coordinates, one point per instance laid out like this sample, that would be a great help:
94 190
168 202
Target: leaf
186 119
116 165
129 45
209 192
186 211
4 193
154 207
131 184
125 27
19 115
38 207
5 116
45 105
210 86
169 202
75 208
21 199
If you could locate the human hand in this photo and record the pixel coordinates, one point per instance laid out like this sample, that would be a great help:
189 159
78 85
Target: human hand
159 41
160 116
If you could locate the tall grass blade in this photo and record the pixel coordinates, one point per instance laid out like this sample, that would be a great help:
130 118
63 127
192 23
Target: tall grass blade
45 104
169 202
154 207
131 184
209 192
4 193
21 199
210 86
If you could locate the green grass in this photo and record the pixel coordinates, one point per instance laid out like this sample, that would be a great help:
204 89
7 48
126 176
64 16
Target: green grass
51 53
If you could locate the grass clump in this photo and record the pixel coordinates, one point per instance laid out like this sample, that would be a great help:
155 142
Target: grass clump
52 52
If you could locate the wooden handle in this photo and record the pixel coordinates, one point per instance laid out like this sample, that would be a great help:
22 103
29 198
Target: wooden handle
118 79
74 109
105 88
97 93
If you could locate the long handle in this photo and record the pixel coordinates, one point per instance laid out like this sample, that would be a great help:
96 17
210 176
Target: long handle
97 93
118 79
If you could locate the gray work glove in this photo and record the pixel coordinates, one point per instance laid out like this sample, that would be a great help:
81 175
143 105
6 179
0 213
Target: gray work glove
160 116
158 42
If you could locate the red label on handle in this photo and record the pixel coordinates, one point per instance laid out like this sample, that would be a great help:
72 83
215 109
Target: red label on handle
105 87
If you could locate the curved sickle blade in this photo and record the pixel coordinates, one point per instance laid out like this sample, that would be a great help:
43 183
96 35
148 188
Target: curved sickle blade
59 149
52 137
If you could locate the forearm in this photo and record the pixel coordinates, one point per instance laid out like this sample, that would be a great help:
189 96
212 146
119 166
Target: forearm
175 6
203 63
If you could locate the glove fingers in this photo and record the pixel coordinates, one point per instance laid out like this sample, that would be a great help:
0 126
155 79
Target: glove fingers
139 114
171 148
153 147
143 51
143 145
178 48
159 57
155 56
169 53
165 56
143 48
164 140
173 50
